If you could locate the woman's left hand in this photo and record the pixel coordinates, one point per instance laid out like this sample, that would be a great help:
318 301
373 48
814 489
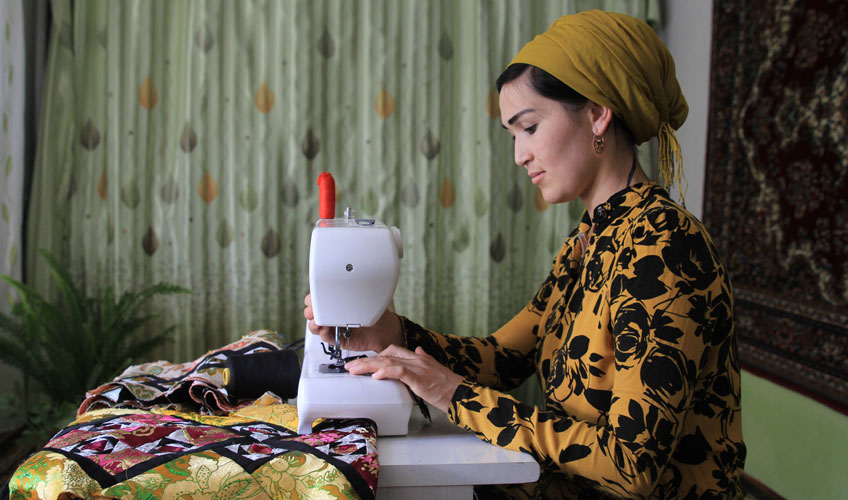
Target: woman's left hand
427 378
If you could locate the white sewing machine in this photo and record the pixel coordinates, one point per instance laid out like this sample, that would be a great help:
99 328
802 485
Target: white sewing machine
353 271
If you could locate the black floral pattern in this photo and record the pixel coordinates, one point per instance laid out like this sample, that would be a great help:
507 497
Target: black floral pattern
633 341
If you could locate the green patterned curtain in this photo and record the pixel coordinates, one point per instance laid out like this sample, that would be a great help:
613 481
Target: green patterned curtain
12 98
182 140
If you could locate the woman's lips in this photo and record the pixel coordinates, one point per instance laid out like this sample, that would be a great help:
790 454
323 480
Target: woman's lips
536 177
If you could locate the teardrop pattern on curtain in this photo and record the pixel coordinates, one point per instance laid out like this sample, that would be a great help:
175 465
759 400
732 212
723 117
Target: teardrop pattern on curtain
271 244
89 136
150 242
311 145
290 194
265 98
204 39
207 188
130 194
326 45
497 249
429 145
248 198
103 185
447 193
169 192
188 139
445 47
384 104
461 238
515 199
224 235
409 194
148 96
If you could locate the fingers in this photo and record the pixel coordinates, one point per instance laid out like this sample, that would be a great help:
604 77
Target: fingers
378 367
420 351
308 313
425 376
396 351
326 333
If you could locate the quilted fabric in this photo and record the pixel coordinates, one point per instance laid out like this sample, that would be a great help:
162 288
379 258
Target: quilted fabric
253 453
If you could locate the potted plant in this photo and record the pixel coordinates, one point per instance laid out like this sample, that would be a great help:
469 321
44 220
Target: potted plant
70 346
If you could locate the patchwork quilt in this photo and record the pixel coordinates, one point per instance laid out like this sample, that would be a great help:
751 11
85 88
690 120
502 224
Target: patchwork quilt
223 449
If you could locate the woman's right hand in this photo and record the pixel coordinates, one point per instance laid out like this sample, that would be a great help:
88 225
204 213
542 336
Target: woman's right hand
385 332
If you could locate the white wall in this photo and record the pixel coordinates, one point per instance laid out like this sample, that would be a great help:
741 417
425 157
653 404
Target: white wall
687 31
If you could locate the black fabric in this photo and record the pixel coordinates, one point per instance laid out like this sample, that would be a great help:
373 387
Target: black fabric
252 375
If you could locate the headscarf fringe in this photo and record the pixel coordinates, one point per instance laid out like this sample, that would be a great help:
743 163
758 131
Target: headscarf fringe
671 161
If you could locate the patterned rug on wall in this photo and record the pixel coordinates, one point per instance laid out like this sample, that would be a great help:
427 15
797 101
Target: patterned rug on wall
776 195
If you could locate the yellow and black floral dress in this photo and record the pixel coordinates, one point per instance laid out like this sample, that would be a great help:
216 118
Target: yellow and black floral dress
632 338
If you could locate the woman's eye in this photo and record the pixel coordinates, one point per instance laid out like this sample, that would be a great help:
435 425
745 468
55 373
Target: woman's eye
530 129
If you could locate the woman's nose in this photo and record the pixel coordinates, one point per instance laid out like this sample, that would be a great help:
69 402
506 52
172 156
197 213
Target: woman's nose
522 153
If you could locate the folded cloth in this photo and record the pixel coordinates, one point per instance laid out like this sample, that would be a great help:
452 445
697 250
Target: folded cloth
252 452
196 386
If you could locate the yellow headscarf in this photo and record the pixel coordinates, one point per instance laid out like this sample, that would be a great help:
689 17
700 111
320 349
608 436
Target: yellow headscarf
620 63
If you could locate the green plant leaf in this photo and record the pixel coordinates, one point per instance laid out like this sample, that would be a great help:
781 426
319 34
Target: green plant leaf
69 294
38 316
130 302
69 346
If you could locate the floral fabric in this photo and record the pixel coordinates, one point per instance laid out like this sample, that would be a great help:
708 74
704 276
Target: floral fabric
171 430
632 338
250 453
195 386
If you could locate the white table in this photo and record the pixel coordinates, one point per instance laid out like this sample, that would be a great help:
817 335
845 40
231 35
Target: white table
442 461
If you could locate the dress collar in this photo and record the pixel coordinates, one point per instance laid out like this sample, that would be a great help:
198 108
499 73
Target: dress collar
619 204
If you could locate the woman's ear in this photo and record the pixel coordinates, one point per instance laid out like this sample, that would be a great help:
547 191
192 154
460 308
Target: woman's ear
600 116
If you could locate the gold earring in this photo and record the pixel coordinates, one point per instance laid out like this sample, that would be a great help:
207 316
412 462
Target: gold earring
598 144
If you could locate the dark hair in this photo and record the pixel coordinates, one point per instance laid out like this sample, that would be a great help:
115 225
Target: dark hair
545 84
549 86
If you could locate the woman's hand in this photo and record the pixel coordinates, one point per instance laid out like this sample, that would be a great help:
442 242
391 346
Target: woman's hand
377 337
433 382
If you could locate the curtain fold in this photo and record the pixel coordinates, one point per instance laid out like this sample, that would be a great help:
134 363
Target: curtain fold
12 100
181 141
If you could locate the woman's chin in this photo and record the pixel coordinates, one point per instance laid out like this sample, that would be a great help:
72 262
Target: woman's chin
556 197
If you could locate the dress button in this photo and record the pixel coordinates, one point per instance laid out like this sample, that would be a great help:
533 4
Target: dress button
600 212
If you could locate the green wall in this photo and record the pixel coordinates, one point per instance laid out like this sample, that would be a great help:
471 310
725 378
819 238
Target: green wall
796 446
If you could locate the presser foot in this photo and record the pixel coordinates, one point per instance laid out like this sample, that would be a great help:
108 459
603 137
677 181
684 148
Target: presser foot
337 367
331 368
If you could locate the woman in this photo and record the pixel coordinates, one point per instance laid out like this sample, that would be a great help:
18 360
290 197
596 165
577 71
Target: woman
631 335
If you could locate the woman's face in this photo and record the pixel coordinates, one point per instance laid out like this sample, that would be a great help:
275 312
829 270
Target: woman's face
553 144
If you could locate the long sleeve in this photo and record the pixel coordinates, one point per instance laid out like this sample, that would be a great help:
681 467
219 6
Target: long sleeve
502 364
635 365
506 358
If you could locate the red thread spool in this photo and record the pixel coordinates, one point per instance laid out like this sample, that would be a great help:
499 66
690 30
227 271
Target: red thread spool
326 196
